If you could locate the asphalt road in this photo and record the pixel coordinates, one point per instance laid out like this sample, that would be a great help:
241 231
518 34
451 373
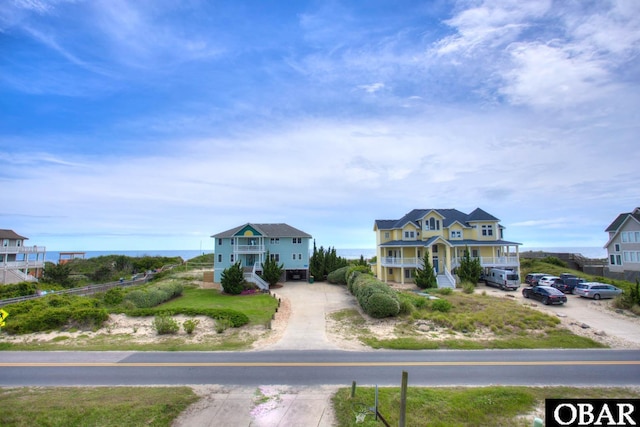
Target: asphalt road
309 368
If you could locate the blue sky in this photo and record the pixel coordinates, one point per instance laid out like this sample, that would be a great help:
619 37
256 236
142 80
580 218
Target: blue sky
154 124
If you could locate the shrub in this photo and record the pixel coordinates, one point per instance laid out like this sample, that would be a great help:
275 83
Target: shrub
468 287
381 305
21 289
339 276
222 324
155 295
190 325
442 291
114 296
376 298
441 305
232 279
165 324
236 318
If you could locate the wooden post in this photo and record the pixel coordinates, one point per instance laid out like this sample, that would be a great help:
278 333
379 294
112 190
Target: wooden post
353 389
403 400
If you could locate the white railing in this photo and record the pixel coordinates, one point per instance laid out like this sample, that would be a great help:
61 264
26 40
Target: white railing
15 265
22 249
490 261
249 249
402 262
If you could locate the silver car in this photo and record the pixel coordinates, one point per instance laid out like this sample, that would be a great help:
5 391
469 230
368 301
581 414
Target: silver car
596 290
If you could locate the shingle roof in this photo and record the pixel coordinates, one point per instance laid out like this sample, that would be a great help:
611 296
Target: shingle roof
10 234
267 230
615 225
449 217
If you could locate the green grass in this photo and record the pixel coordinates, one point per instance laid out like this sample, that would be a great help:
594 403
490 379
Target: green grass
97 406
460 407
258 307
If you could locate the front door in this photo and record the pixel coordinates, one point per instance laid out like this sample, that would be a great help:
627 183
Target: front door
435 264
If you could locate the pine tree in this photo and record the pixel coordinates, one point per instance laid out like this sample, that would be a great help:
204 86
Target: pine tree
425 277
271 271
232 279
469 270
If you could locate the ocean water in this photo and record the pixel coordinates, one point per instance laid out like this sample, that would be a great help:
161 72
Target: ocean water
353 253
54 256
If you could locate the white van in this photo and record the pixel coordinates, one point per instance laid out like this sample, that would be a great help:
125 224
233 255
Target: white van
503 279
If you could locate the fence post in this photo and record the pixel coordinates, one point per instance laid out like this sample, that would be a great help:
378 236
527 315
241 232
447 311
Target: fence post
403 399
353 389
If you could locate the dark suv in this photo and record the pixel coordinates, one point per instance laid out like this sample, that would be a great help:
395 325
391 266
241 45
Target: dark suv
532 279
566 284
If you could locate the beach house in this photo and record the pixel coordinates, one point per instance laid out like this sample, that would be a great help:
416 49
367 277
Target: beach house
623 246
250 243
445 233
18 262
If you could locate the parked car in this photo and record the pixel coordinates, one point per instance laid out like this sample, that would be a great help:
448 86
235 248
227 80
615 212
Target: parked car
546 280
565 285
596 290
532 279
546 294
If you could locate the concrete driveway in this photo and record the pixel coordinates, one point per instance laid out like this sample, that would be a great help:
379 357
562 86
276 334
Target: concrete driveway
280 405
310 304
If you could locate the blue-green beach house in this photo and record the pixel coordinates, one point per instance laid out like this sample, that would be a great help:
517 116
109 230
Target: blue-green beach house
249 244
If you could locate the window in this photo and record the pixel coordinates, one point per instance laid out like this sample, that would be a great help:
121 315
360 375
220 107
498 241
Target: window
299 256
487 230
434 249
456 234
275 241
18 243
219 242
294 256
220 258
612 259
625 237
275 257
5 243
231 258
618 259
297 240
390 271
232 240
474 253
386 234
616 247
408 274
409 234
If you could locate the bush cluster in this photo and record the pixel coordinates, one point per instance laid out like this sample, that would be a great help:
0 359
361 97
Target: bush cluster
235 318
154 295
376 298
21 289
339 276
55 312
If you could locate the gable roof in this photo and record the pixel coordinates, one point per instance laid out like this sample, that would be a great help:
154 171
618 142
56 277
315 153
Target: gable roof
12 235
266 230
617 223
449 216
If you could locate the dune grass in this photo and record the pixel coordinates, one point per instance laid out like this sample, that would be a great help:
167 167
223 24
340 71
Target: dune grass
496 406
93 406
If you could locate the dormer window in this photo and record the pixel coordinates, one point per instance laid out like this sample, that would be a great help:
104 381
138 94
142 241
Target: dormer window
456 234
409 234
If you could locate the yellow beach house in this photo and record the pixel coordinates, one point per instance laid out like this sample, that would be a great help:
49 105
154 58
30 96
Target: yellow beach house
402 243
